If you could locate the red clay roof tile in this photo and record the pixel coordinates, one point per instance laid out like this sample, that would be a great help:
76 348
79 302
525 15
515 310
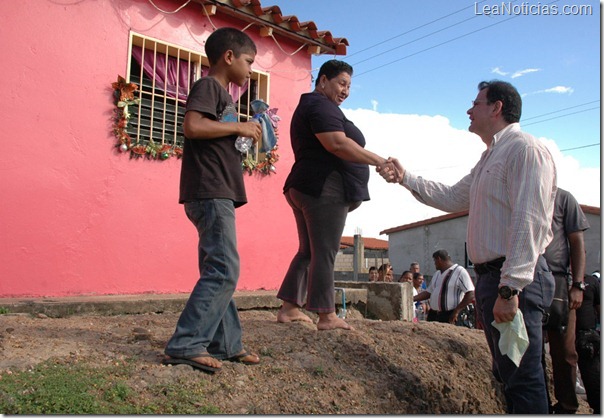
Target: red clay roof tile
286 25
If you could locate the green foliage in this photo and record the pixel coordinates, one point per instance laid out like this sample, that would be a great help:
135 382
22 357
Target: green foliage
75 389
3 310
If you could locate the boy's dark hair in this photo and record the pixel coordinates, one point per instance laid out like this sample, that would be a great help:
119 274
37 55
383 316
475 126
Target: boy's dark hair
333 68
508 95
416 275
223 39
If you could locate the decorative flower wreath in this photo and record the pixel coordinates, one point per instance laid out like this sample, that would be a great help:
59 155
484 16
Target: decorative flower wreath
124 96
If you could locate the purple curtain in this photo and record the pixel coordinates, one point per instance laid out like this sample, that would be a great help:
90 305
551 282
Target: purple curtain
186 75
178 75
237 92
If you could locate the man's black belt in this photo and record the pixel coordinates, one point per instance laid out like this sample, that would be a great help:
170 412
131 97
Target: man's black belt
493 265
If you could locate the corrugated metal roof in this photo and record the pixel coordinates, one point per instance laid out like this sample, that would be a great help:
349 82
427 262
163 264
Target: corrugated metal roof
319 41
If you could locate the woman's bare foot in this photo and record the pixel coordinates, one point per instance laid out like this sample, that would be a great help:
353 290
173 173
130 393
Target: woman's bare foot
330 320
291 313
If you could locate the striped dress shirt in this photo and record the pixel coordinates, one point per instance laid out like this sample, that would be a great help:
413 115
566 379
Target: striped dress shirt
457 286
510 196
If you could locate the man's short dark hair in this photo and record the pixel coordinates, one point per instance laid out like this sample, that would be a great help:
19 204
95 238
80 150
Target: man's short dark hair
223 39
508 95
333 68
442 254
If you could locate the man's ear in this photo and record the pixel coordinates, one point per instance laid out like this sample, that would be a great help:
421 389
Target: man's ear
498 108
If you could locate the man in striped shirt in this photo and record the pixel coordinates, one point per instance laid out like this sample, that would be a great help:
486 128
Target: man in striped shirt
450 290
510 197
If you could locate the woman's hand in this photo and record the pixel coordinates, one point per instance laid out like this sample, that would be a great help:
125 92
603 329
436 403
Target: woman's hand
392 171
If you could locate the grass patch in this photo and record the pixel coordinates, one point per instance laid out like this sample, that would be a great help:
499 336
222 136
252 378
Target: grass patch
76 389
3 310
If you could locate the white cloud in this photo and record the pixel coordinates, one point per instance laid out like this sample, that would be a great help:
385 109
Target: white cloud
374 104
560 90
430 147
498 71
520 73
516 74
556 90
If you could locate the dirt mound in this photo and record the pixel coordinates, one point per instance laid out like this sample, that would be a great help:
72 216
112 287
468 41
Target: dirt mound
389 367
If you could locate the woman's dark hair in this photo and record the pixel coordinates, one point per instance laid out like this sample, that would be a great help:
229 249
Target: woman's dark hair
223 39
333 68
508 95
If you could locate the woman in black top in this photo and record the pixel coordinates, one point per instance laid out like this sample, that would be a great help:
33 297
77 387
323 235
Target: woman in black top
328 179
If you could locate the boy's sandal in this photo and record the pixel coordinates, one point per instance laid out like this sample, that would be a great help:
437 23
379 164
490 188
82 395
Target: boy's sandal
174 361
245 357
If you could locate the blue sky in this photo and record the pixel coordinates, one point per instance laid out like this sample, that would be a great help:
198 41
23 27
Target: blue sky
426 58
437 75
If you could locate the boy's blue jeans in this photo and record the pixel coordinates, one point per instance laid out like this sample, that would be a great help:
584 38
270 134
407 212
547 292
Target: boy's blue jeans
209 321
524 386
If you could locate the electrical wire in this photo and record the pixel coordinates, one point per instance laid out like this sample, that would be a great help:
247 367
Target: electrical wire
584 146
440 44
561 116
417 27
167 12
560 110
436 46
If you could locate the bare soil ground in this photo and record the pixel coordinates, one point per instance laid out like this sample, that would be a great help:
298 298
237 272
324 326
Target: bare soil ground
389 367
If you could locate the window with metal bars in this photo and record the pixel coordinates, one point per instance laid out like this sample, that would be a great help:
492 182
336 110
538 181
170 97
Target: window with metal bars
164 74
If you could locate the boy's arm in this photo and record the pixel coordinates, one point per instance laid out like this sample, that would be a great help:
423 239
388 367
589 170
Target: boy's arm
198 126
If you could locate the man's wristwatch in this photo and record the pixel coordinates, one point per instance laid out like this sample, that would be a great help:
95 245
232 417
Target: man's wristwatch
507 292
579 285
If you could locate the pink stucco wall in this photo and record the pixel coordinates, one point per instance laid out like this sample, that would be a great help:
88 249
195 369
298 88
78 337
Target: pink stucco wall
77 217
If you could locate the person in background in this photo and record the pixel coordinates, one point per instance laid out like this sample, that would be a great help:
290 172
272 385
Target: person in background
414 268
328 180
421 307
588 341
417 280
373 274
450 290
565 256
406 277
211 187
385 273
510 198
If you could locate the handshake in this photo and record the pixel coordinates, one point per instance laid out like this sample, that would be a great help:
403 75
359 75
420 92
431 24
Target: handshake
391 170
